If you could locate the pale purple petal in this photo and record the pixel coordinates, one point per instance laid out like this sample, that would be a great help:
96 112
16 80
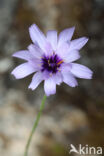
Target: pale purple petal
57 78
72 56
65 35
81 71
66 67
63 50
35 63
48 49
45 75
49 86
23 70
36 80
52 38
77 44
23 54
38 37
35 51
69 79
66 54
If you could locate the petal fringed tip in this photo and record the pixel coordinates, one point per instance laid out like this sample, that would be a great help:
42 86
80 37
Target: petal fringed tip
36 80
77 44
22 54
65 35
49 87
81 71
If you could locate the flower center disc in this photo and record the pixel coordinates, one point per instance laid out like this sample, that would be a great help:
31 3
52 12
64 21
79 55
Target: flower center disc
51 63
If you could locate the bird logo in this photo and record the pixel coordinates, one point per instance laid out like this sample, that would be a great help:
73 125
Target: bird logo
73 149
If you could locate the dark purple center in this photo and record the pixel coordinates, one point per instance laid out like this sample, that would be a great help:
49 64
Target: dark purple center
51 63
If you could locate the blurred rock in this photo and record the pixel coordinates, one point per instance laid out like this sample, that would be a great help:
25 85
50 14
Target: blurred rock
12 44
5 65
100 3
52 129
46 11
7 9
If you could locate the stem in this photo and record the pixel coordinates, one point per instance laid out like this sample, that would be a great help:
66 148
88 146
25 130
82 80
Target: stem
35 125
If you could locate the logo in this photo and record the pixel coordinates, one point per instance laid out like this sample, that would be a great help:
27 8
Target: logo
85 150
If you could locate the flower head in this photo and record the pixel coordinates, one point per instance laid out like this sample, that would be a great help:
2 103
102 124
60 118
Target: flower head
51 58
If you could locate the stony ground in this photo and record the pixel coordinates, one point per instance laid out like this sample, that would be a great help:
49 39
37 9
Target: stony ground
74 115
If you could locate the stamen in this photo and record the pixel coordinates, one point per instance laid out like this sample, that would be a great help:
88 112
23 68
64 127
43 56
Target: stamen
60 62
59 70
48 61
51 63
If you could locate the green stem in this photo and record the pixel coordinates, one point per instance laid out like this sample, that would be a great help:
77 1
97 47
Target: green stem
35 125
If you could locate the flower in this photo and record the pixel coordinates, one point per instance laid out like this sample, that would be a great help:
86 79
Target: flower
51 58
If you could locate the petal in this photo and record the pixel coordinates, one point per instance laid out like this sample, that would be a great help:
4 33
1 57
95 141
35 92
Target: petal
35 63
77 44
69 79
23 70
81 71
45 75
36 80
52 38
66 54
72 56
66 35
35 51
38 37
23 54
63 50
65 67
49 86
57 78
48 49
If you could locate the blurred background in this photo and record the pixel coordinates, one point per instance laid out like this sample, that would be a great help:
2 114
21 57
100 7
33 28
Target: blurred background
73 115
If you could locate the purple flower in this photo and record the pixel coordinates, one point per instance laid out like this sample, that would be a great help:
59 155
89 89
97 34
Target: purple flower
51 58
